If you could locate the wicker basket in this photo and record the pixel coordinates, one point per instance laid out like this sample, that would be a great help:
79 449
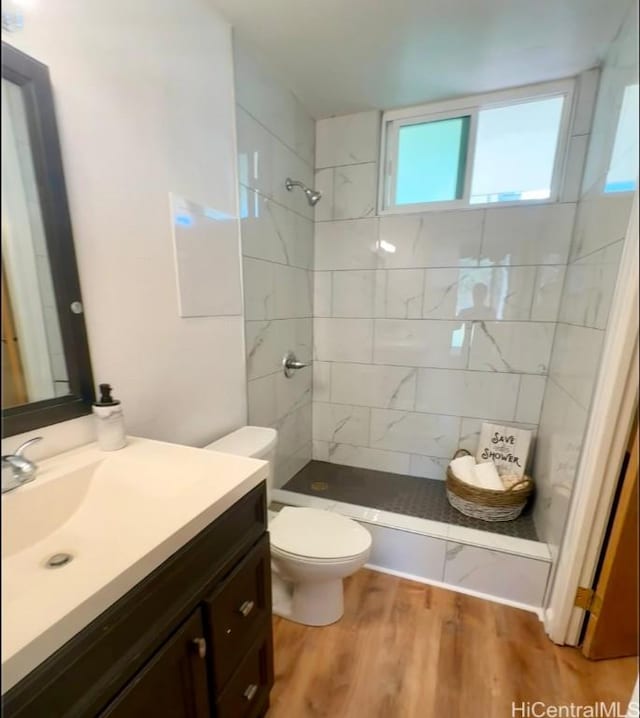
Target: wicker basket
486 504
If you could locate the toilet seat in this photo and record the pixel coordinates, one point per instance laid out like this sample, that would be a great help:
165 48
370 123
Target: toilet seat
279 553
317 536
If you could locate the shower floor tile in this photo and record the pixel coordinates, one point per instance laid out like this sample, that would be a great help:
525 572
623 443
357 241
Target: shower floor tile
408 495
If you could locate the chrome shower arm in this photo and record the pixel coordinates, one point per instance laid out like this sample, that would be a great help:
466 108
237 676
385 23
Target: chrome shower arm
313 195
290 184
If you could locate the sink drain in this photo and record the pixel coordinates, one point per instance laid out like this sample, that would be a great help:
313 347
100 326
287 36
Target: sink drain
58 560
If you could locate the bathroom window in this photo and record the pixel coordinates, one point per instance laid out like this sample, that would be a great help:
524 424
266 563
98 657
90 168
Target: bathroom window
623 169
440 145
507 147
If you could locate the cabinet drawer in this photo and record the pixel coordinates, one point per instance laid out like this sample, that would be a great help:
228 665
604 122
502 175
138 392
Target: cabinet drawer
247 693
238 611
173 683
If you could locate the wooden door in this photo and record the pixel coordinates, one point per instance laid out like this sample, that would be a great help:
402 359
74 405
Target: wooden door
174 682
612 627
14 389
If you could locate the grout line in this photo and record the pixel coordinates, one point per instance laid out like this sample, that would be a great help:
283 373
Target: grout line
280 140
578 260
447 267
279 264
581 326
449 320
482 237
452 320
424 293
533 296
471 325
275 201
517 404
385 297
275 319
349 164
427 413
565 391
433 368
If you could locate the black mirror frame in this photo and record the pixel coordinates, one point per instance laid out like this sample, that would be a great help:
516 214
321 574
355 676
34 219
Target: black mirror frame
33 77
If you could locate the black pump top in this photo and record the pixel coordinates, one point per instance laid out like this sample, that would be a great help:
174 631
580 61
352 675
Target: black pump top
105 396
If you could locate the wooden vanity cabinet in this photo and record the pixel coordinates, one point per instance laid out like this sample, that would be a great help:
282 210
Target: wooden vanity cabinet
173 683
193 639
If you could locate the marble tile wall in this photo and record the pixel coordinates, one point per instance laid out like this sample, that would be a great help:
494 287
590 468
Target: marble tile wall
426 324
594 257
276 140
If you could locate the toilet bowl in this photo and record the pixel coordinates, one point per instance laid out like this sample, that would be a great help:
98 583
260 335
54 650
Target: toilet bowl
312 551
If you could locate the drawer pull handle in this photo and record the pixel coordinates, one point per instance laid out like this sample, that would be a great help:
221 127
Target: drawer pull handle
246 608
250 691
200 645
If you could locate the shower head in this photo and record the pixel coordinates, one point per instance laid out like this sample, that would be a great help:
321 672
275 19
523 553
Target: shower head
313 195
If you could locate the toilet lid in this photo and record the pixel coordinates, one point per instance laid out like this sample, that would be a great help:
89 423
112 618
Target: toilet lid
317 534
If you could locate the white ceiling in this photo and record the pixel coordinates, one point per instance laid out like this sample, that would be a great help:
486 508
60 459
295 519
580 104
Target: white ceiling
342 56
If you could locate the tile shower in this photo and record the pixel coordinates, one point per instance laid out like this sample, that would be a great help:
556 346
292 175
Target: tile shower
275 139
409 358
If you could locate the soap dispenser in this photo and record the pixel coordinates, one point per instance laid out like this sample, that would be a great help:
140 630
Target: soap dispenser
109 421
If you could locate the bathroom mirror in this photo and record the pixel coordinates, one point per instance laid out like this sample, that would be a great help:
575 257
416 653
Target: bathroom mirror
46 370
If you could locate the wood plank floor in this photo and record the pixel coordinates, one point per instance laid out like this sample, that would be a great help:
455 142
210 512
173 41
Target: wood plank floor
406 650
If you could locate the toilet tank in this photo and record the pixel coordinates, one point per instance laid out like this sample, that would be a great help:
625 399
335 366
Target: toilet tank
256 442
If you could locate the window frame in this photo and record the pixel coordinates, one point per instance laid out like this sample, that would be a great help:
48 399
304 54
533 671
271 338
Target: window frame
470 106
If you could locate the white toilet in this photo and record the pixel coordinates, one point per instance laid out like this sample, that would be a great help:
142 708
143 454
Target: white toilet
311 550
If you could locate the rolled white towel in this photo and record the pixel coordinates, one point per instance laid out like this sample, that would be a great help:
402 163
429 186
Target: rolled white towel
510 480
464 469
487 476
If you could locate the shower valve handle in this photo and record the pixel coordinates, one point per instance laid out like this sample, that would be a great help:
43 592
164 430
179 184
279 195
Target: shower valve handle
290 364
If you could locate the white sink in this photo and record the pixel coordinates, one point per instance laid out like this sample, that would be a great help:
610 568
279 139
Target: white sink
40 508
118 516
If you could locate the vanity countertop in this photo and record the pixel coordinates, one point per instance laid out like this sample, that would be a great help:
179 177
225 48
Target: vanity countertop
120 515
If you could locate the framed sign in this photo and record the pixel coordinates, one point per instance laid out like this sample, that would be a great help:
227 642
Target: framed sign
507 447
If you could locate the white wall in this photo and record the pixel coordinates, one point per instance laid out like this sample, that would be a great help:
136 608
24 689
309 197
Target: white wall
601 225
276 141
145 105
402 376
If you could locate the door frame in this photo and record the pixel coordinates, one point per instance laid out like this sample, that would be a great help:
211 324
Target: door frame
605 441
610 562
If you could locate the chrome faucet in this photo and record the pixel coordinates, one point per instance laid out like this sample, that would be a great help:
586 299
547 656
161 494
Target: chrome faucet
22 469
